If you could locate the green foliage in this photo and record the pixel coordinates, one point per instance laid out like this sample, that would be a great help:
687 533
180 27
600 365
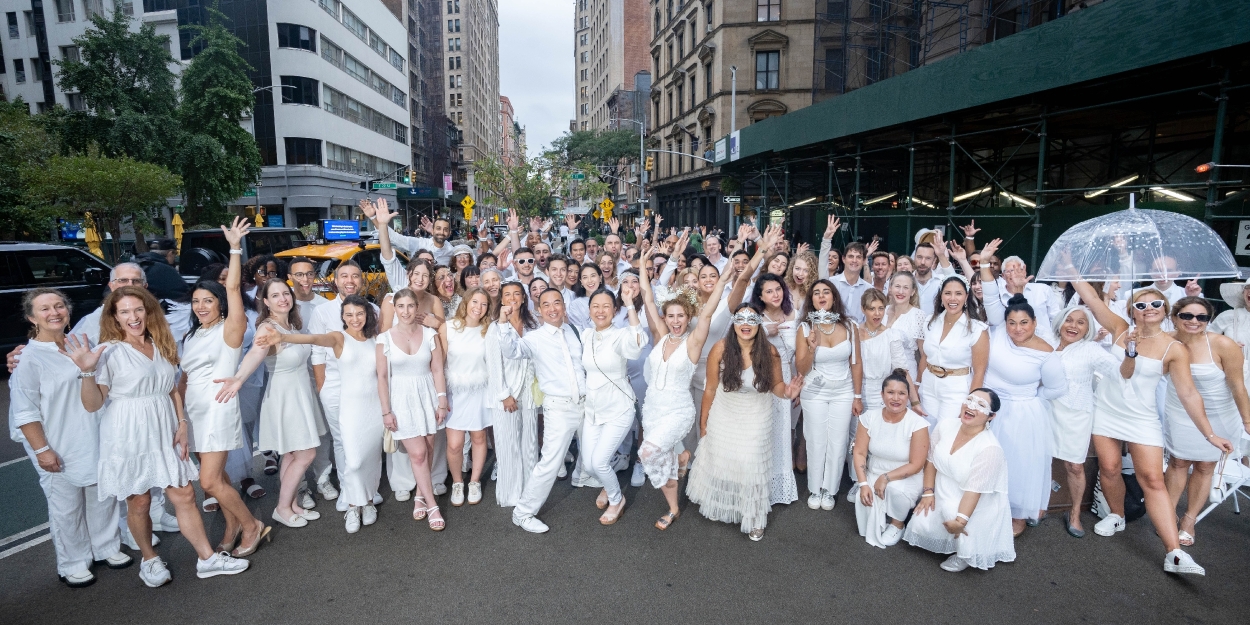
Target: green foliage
115 191
524 185
23 144
604 148
217 158
730 185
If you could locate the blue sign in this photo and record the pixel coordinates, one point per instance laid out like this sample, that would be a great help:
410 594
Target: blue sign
70 230
275 221
340 230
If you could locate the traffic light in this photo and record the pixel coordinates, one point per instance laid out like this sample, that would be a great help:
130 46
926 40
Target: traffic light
407 176
650 163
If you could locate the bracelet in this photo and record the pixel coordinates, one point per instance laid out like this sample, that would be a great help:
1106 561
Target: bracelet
182 420
441 395
916 402
928 489
857 396
86 374
926 495
238 252
962 517
887 477
42 449
1211 436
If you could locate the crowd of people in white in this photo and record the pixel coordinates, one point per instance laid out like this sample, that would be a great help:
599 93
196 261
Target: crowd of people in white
941 382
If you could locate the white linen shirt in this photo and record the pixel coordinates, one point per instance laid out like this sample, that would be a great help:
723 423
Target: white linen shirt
929 290
412 245
546 348
852 295
45 388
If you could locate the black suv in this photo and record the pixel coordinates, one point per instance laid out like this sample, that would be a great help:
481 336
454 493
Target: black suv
24 266
201 248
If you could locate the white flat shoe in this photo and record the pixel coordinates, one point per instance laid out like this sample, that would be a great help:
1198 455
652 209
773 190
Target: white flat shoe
119 560
295 520
306 500
403 495
1178 561
475 493
954 564
81 579
530 524
639 476
457 494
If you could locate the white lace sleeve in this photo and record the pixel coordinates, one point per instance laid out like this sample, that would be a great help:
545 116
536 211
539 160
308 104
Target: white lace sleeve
989 471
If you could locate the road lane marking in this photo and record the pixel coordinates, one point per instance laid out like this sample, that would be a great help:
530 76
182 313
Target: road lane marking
13 461
26 545
8 539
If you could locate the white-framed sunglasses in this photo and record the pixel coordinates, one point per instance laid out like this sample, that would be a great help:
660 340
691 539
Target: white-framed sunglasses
1154 303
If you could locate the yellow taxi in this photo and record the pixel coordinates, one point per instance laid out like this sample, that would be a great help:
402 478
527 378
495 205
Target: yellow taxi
328 256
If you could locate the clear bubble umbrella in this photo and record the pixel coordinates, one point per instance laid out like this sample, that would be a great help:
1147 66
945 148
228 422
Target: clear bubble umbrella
1138 244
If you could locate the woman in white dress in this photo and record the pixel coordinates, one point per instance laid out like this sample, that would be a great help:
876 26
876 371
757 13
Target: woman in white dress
1216 365
590 279
1126 411
513 409
413 395
669 412
464 334
1235 323
129 378
963 507
291 423
1025 372
734 462
771 298
606 352
891 443
360 411
62 440
827 356
954 351
211 352
904 315
1072 414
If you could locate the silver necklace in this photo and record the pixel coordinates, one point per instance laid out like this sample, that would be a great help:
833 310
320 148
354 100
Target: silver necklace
872 333
832 328
674 339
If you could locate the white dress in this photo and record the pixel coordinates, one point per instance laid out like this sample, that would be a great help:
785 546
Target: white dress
668 412
978 466
467 382
215 426
413 396
729 480
889 447
290 414
1072 414
942 398
881 355
1235 324
137 424
909 327
1183 439
1127 410
360 421
782 487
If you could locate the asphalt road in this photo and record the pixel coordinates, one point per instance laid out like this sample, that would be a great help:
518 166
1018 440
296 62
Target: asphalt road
811 567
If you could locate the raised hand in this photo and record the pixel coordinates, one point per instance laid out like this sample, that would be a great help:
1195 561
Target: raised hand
614 224
366 207
1192 289
803 247
383 215
78 349
872 247
658 219
427 225
569 220
513 220
957 251
536 224
970 230
989 250
505 312
236 232
832 224
629 291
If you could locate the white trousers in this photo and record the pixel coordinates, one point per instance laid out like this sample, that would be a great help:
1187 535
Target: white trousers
399 471
239 461
561 418
330 406
614 411
826 426
516 452
83 527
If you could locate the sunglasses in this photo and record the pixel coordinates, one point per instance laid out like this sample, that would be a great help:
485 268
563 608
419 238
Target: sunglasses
1203 317
524 261
1156 304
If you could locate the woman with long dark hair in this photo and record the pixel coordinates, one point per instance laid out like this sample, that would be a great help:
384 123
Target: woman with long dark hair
954 351
590 279
511 401
735 460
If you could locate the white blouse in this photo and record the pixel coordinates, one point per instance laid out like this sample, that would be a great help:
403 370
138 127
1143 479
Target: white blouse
1081 360
954 351
606 353
882 354
45 389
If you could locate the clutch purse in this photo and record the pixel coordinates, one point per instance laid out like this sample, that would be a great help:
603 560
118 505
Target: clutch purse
388 442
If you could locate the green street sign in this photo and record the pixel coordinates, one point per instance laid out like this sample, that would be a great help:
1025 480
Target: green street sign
385 185
251 192
578 176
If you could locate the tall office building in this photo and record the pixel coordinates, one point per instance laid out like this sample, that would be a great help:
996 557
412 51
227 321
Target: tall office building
427 102
472 74
609 49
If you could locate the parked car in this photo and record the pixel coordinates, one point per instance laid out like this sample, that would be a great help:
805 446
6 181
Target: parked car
328 256
24 266
201 248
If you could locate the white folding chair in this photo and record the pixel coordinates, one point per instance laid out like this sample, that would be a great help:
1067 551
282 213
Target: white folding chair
1230 477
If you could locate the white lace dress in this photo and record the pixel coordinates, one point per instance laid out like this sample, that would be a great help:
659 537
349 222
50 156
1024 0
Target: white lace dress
909 327
137 424
782 487
729 480
979 466
413 396
668 412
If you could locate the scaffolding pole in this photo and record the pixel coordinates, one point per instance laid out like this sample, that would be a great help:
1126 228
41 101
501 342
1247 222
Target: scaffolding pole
1037 197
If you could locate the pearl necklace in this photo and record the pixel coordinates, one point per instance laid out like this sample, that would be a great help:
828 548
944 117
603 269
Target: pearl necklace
832 329
674 339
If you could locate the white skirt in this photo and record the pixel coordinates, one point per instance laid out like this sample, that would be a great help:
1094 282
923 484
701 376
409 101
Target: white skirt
137 448
1070 432
729 480
469 411
988 539
667 416
1023 429
290 414
414 401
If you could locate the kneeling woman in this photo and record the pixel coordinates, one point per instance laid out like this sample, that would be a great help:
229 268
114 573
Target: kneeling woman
729 480
963 510
890 447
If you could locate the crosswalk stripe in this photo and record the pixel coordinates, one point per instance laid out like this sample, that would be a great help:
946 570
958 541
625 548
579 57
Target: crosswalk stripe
24 546
8 539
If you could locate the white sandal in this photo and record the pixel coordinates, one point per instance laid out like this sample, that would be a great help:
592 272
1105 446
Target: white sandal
419 511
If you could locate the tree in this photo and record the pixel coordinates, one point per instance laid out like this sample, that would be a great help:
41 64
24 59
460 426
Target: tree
23 144
116 191
218 159
604 148
524 185
125 80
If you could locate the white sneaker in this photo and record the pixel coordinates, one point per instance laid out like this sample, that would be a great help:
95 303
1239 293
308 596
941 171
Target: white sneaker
369 516
377 499
119 560
891 535
639 477
81 579
1109 525
827 500
327 490
352 519
620 461
305 499
167 523
530 524
128 539
1178 561
813 501
457 494
403 495
475 493
220 564
153 572
440 489
563 472
954 564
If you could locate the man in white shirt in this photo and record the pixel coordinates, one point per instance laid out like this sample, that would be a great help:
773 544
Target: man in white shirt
1047 304
577 251
848 283
557 355
932 266
437 243
348 280
712 251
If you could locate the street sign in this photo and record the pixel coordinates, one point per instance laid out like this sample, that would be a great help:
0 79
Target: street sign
467 203
385 185
251 192
606 204
733 199
578 176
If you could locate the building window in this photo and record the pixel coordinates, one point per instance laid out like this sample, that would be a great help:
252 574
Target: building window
668 16
398 97
451 100
355 25
355 68
835 70
681 46
377 44
707 12
767 70
457 44
656 31
451 44
670 105
93 8
13 30
70 53
453 6
397 60
457 26
707 78
299 90
300 151
296 36
681 100
76 101
693 99
585 57
670 56
64 10
19 71
331 7
128 8
351 161
585 75
584 39
338 103
768 10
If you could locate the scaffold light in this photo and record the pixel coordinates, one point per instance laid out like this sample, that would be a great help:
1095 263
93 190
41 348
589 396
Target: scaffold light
1118 183
1017 199
971 194
1176 195
880 198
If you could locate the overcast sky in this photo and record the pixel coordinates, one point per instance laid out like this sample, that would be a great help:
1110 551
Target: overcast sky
536 66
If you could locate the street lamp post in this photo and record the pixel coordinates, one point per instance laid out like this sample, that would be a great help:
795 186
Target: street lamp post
642 156
733 99
254 92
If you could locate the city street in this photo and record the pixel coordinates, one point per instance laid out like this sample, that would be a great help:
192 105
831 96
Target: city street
810 567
